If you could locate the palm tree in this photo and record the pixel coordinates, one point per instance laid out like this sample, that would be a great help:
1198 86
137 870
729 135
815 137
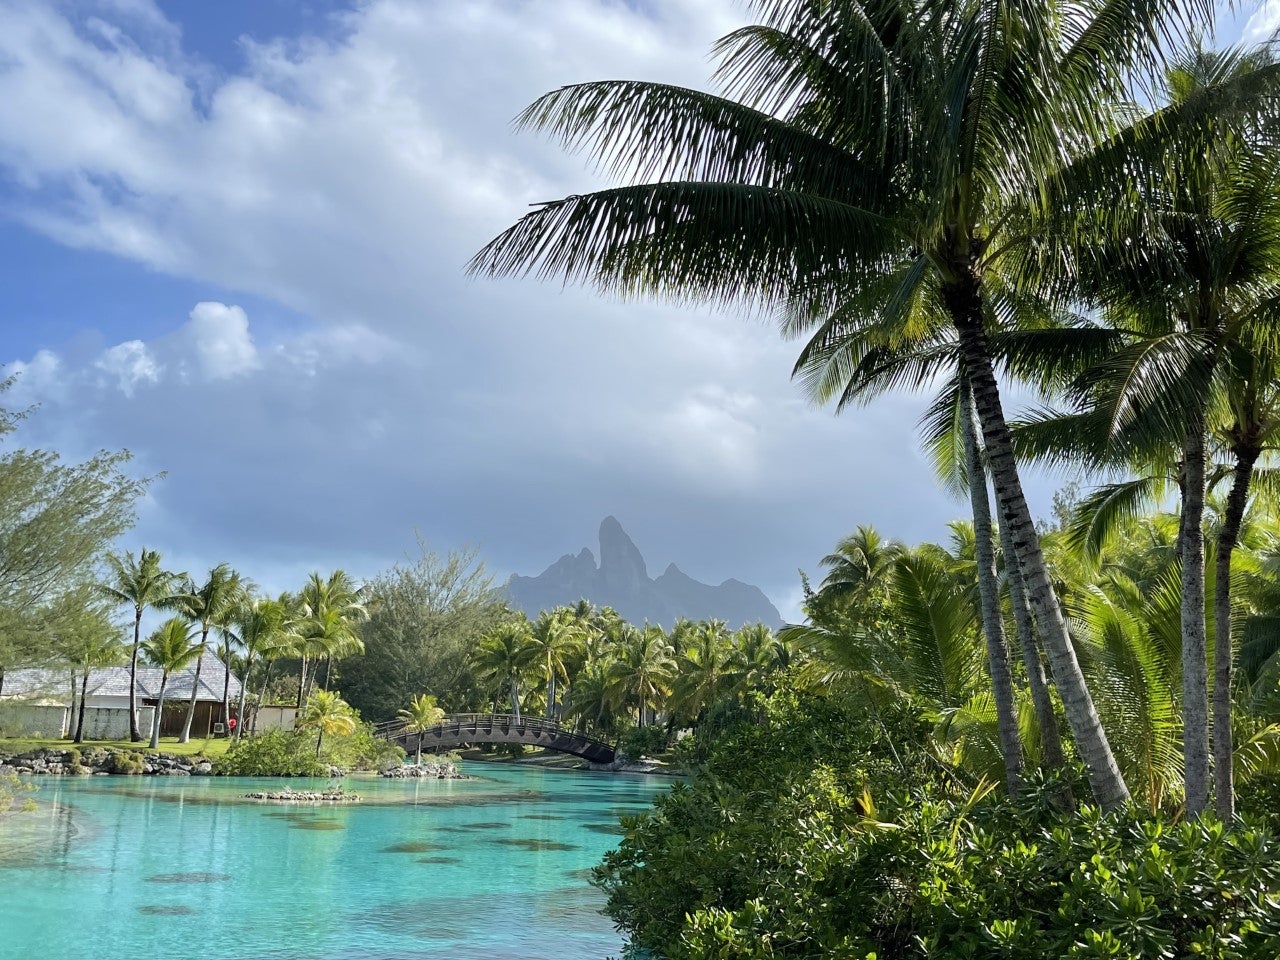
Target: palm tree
332 608
704 670
171 647
873 137
558 638
504 658
643 668
326 712
207 606
260 624
139 582
422 714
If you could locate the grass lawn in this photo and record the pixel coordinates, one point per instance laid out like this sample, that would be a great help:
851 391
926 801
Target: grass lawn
213 747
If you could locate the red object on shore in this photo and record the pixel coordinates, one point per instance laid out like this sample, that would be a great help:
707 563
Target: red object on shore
231 724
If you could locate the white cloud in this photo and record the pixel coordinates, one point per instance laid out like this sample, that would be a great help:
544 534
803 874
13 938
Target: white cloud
130 363
1264 22
220 337
343 182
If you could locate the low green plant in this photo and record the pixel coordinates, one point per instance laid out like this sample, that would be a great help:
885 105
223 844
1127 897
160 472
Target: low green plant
15 795
276 753
280 753
643 742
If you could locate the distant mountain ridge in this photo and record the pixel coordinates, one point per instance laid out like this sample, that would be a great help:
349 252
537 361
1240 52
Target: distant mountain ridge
622 581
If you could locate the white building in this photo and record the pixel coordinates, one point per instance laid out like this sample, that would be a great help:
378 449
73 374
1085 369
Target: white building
47 702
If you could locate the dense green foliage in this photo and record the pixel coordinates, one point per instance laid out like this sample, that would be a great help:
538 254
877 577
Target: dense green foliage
813 831
280 753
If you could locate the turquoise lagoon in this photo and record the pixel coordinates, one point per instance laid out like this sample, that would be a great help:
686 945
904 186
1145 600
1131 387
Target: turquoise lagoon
114 868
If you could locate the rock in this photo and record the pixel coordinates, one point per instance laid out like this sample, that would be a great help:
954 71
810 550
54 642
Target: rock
429 770
203 769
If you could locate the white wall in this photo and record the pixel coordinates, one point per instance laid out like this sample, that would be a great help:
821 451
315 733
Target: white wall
32 720
275 718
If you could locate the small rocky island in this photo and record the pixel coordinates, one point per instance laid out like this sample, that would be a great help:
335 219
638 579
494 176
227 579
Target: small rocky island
431 768
336 795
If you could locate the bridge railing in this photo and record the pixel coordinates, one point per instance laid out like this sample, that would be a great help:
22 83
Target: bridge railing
458 722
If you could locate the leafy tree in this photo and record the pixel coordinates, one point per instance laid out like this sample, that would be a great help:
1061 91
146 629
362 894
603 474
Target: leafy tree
262 627
57 521
171 647
140 582
425 618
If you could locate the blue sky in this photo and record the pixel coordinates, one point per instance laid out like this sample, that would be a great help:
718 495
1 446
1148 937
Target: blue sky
231 240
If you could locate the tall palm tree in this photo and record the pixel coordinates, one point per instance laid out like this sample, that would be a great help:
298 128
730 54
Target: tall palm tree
260 624
333 606
643 668
326 712
704 670
504 658
1195 273
558 638
423 713
207 606
139 582
871 136
171 647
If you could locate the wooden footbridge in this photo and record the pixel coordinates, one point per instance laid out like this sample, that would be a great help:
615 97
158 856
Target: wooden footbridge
463 728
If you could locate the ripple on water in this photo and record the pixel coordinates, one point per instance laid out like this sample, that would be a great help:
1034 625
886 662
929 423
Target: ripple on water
486 825
166 910
317 825
541 816
199 876
440 860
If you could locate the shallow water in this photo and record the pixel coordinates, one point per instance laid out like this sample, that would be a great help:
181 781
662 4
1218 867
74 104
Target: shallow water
114 868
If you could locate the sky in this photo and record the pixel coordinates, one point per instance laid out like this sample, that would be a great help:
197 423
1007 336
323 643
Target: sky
233 241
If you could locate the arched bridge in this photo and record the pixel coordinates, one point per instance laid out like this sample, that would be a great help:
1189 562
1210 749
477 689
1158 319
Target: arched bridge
462 728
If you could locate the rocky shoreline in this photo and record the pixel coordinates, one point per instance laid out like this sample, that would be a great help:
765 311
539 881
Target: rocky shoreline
427 770
98 761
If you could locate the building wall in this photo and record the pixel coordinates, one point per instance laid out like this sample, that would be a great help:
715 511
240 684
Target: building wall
33 720
112 723
275 718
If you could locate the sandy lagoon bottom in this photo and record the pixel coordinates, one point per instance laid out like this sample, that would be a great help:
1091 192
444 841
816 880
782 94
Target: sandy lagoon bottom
114 868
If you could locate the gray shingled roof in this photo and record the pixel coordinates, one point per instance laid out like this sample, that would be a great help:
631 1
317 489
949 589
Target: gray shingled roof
114 682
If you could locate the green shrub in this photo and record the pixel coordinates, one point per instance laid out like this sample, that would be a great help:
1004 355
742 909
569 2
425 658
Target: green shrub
280 753
643 742
807 835
276 753
126 762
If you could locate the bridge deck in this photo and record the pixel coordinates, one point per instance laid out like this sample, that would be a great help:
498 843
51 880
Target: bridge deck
464 728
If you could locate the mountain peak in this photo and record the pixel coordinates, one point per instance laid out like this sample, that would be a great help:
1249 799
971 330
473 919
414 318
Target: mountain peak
622 582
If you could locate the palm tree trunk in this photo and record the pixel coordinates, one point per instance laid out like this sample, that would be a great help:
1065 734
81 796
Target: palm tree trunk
551 696
1046 719
226 682
302 681
1195 661
195 690
135 735
964 301
244 687
515 700
262 697
989 603
319 740
155 719
418 757
328 666
1223 647
84 693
